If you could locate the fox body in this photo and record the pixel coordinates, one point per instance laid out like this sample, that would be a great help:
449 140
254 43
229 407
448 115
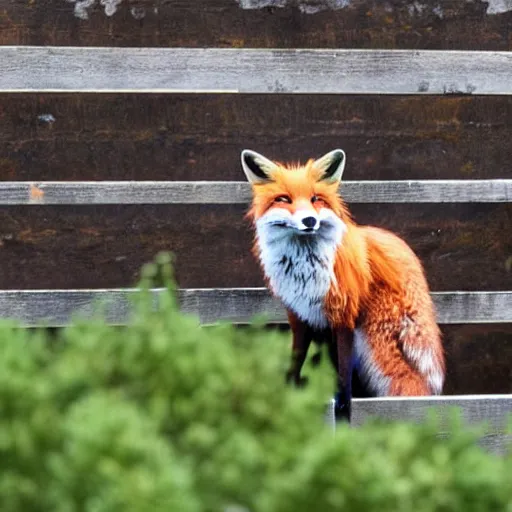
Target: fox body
360 289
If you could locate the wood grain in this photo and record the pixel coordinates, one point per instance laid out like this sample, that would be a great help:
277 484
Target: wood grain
226 192
272 71
462 246
450 24
54 308
476 410
62 137
478 358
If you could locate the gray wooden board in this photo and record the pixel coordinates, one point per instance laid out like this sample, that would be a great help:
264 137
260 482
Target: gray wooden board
237 305
231 70
495 410
219 192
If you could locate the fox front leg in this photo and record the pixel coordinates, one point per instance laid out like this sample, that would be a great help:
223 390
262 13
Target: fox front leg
302 337
344 339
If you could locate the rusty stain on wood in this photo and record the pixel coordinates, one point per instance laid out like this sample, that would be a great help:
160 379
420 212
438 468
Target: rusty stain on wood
36 194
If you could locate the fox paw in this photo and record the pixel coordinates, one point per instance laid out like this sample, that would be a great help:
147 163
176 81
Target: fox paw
293 378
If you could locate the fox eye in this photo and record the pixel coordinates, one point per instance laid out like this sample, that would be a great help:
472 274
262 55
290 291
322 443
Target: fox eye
283 199
314 199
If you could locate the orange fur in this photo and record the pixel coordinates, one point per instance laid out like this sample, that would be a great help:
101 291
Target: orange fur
379 284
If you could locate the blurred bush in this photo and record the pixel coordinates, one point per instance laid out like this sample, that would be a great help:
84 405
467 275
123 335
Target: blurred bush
167 416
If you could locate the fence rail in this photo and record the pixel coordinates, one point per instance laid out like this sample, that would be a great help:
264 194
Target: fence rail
495 410
269 71
55 308
225 192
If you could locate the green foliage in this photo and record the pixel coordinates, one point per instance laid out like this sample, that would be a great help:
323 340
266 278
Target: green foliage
167 416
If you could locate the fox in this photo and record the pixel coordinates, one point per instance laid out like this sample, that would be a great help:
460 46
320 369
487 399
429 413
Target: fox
359 289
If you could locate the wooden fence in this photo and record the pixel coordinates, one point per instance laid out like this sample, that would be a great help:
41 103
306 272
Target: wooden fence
122 124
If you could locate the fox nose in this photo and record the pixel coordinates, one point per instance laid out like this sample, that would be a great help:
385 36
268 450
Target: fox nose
309 222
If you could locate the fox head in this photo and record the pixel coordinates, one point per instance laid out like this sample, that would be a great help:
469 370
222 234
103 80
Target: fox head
296 201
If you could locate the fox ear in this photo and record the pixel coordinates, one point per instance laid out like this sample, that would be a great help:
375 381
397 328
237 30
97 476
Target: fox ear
331 166
257 168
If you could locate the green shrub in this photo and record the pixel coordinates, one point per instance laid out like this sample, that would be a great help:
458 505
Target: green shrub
167 416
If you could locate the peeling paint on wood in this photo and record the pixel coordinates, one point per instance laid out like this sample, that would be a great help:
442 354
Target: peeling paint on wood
419 10
404 24
261 4
499 6
305 6
110 6
82 7
46 118
413 8
138 13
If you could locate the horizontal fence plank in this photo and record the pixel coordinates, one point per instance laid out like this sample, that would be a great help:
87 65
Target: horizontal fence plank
225 192
463 246
237 305
457 24
198 137
496 410
478 358
274 71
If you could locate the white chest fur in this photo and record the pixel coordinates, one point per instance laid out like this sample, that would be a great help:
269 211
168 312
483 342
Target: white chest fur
300 266
300 271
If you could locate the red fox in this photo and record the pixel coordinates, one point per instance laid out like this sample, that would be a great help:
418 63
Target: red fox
361 289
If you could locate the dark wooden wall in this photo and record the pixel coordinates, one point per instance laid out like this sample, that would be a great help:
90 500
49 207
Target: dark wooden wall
198 137
376 24
84 136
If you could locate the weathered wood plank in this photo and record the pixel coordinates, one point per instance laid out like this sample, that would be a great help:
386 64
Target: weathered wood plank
226 192
462 246
486 307
478 358
450 24
219 70
496 410
237 305
84 137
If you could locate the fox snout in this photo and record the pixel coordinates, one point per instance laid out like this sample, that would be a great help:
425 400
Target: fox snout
308 222
301 221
